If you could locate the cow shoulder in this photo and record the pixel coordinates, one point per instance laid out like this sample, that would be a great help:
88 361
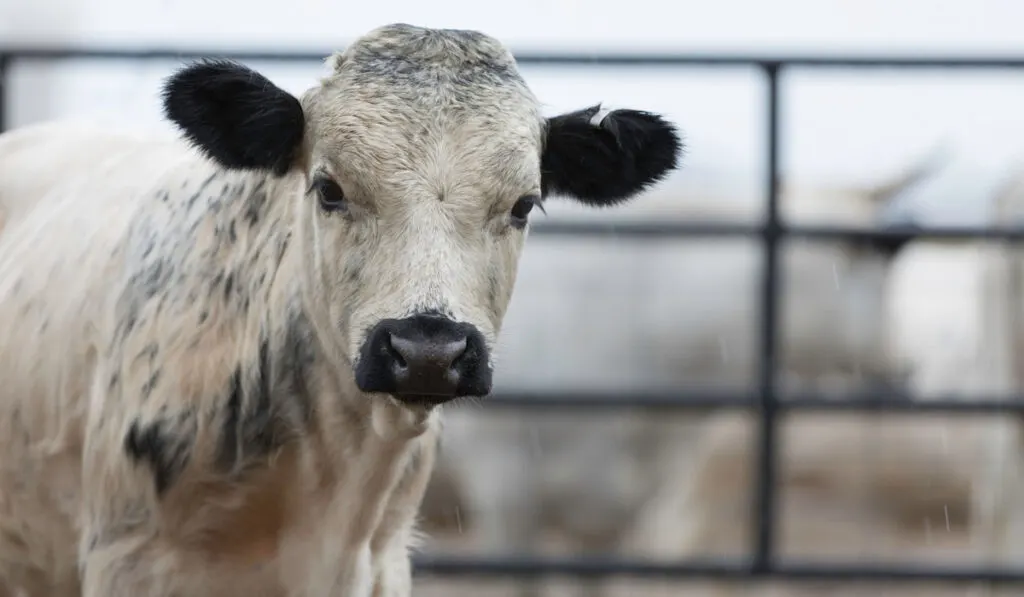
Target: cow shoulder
205 374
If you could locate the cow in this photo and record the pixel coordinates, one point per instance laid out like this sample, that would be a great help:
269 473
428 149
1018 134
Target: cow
225 352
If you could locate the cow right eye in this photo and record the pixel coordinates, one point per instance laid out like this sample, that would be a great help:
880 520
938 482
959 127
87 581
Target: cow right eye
522 209
331 197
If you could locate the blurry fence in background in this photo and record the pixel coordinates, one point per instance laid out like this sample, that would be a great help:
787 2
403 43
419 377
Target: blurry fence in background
766 400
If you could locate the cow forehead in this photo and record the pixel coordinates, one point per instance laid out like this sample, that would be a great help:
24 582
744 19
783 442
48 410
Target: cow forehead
413 97
401 49
411 75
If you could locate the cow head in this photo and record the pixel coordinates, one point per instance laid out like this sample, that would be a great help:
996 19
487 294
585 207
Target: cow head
422 156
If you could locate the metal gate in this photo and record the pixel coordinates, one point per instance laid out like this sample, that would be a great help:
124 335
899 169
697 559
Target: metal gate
763 562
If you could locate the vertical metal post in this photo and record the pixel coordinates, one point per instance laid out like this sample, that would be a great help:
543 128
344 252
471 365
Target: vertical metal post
764 518
4 63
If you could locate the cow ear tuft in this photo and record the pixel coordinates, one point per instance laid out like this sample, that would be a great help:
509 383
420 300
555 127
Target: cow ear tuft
235 115
602 158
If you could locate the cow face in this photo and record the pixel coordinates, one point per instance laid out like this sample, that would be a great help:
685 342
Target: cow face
422 157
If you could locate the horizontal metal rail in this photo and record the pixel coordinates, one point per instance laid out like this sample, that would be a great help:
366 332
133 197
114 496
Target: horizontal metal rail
709 569
644 230
575 59
701 400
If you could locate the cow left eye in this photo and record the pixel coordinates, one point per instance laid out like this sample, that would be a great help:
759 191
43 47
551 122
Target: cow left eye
522 209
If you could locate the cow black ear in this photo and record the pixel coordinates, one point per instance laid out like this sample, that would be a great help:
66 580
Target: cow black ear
235 115
603 158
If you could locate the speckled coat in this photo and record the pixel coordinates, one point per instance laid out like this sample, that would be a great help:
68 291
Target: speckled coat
181 318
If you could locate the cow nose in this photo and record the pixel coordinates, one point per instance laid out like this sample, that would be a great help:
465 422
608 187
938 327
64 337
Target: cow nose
426 365
427 358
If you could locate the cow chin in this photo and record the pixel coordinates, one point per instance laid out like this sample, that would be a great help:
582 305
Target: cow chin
425 359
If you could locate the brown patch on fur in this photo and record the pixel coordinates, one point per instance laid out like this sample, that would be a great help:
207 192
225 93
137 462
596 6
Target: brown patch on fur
249 530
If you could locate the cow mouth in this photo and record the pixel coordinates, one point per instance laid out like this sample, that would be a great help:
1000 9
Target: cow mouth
424 400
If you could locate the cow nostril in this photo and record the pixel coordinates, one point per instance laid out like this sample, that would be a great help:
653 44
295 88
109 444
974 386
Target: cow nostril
453 352
459 350
394 353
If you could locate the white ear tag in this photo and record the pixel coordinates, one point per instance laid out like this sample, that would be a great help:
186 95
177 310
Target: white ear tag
598 118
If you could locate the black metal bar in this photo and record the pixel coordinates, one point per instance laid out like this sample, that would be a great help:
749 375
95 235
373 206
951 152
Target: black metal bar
718 569
4 71
651 230
538 58
592 566
764 520
894 403
865 403
612 401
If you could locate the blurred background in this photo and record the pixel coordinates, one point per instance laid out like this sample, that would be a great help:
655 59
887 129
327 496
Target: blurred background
918 320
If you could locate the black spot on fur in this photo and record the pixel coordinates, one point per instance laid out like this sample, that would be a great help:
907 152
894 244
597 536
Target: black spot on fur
235 115
282 246
251 429
156 277
164 444
215 282
202 189
353 270
297 363
606 164
227 454
258 427
493 284
128 323
268 400
150 351
257 202
147 388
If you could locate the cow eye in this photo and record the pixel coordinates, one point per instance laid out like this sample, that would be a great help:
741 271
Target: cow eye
329 194
522 209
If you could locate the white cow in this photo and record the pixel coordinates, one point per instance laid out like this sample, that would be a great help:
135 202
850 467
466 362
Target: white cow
222 364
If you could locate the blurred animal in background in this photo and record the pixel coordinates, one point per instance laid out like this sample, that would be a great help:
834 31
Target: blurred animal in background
617 317
883 488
